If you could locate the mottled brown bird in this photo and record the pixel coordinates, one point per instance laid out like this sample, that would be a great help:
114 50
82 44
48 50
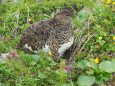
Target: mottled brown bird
54 35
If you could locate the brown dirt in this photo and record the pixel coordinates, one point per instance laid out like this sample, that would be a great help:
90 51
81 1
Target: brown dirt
112 81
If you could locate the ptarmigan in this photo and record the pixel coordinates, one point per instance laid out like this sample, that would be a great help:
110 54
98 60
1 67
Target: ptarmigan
54 35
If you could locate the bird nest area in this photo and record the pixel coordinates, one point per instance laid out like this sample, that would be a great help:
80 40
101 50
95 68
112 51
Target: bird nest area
89 60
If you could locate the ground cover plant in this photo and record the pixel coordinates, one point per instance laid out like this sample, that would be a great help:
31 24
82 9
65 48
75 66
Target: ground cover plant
93 51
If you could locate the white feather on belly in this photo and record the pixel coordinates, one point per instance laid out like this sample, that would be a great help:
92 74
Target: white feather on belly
61 50
65 46
46 48
30 48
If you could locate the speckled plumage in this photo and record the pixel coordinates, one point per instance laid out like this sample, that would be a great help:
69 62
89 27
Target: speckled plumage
51 33
59 37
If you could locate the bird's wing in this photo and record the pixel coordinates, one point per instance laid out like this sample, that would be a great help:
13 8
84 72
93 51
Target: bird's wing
34 37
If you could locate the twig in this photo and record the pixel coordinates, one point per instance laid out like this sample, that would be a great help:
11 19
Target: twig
86 43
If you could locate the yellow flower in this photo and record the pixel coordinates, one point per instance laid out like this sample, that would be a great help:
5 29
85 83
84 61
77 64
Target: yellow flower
50 53
113 37
29 19
97 46
108 1
96 60
114 43
113 3
100 38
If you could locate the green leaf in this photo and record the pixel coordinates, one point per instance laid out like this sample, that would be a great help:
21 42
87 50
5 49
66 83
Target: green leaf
85 80
98 79
41 75
33 62
107 66
82 64
83 14
90 71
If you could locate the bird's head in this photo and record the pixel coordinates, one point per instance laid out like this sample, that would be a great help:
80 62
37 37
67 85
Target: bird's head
68 12
64 15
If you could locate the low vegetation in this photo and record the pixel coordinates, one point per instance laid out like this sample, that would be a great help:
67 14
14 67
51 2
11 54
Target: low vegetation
93 51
